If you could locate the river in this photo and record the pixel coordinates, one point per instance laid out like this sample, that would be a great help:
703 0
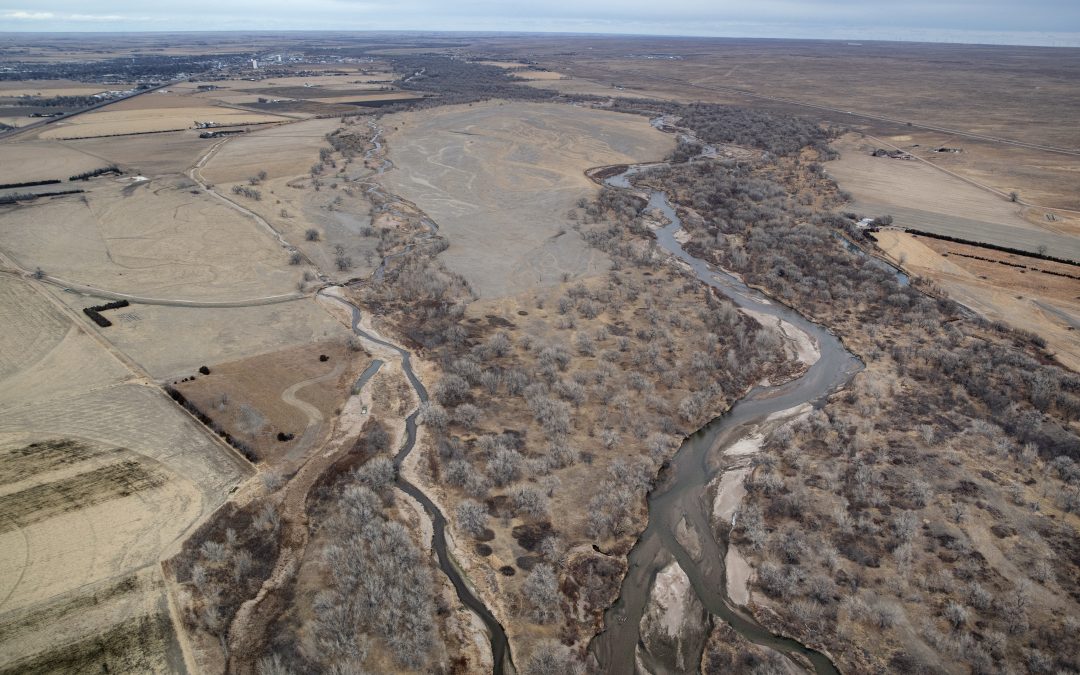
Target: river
500 653
682 490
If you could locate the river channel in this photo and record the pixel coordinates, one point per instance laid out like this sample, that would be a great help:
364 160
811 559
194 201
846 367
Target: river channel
681 493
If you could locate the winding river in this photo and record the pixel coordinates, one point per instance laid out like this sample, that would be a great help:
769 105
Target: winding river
682 491
500 653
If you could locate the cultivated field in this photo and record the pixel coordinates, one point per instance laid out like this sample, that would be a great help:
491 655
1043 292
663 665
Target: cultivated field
499 178
92 494
161 238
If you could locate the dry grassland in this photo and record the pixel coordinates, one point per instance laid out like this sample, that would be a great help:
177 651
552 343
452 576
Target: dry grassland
255 398
91 492
159 238
600 87
1029 300
56 88
149 155
338 211
27 161
538 75
173 342
370 98
919 196
499 178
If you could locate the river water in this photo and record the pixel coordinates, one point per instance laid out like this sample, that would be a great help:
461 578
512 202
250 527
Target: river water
500 652
682 491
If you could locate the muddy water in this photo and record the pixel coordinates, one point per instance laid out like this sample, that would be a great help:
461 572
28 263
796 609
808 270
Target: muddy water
500 653
681 493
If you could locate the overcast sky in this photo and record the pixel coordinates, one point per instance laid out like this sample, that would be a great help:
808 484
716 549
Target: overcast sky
1052 22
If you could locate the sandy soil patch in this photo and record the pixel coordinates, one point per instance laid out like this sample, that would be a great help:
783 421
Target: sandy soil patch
159 238
798 345
739 576
506 225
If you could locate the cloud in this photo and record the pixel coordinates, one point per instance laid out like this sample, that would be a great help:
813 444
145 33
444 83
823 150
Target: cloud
1039 22
23 15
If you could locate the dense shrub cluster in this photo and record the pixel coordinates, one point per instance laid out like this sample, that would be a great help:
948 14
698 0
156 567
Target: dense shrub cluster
95 312
87 175
7 186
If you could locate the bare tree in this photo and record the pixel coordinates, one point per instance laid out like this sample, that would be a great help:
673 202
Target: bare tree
472 517
541 591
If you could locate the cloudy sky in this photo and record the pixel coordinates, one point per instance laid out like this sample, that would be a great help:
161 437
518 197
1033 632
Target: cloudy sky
1052 22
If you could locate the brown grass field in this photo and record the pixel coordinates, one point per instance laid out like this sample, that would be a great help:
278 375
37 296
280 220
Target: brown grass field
248 397
920 196
160 238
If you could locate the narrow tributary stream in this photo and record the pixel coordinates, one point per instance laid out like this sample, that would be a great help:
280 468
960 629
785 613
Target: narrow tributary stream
500 654
682 490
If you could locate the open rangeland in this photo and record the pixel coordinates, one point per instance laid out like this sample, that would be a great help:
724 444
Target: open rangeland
101 474
920 196
296 392
28 161
337 210
173 342
160 238
499 178
147 154
55 88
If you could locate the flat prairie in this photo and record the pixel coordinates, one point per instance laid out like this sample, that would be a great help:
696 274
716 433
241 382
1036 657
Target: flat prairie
160 238
173 342
152 112
499 179
920 196
149 155
26 161
56 88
